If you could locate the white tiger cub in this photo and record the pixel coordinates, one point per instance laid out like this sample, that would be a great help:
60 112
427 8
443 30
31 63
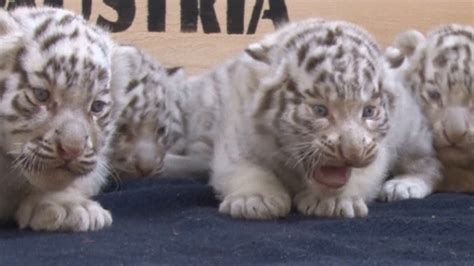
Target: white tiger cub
307 115
56 119
440 69
166 123
149 121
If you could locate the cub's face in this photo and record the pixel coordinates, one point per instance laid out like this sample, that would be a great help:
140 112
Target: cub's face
327 109
149 122
57 109
448 101
140 143
329 132
441 71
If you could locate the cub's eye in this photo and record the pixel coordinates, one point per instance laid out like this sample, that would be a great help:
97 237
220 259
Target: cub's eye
97 106
368 112
41 94
434 95
161 131
122 129
321 110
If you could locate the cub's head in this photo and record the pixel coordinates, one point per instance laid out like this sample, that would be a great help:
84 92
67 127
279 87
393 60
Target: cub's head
150 120
322 101
56 107
440 69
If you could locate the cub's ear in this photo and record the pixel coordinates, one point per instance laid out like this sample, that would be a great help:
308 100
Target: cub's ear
258 52
406 47
176 76
409 42
11 36
126 64
175 72
394 57
126 61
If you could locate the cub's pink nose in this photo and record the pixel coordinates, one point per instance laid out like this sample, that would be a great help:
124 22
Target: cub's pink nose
71 139
69 152
144 171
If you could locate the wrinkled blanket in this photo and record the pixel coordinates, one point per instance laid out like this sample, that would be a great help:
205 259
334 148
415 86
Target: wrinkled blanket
176 222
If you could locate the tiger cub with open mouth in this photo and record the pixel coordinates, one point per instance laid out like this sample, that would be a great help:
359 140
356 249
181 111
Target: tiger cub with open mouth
309 116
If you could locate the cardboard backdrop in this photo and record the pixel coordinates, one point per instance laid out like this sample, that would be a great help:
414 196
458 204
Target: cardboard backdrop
198 34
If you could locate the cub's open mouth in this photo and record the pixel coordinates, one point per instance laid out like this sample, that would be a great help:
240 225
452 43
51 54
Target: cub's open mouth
332 176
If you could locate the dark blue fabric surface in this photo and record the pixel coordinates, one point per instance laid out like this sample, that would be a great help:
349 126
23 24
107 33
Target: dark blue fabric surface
176 222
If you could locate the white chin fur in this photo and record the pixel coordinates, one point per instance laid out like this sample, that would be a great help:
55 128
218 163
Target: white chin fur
52 180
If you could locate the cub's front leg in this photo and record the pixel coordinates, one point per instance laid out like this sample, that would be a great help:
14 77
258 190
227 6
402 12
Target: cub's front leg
417 179
68 210
251 192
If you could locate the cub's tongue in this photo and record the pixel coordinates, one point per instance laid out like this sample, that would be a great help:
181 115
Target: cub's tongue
330 176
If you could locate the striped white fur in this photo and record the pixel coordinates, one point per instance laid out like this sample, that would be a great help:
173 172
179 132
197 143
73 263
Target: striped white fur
440 70
56 118
165 114
151 120
299 108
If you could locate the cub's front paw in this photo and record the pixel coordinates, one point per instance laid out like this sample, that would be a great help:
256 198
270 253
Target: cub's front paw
348 207
77 216
256 206
404 188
